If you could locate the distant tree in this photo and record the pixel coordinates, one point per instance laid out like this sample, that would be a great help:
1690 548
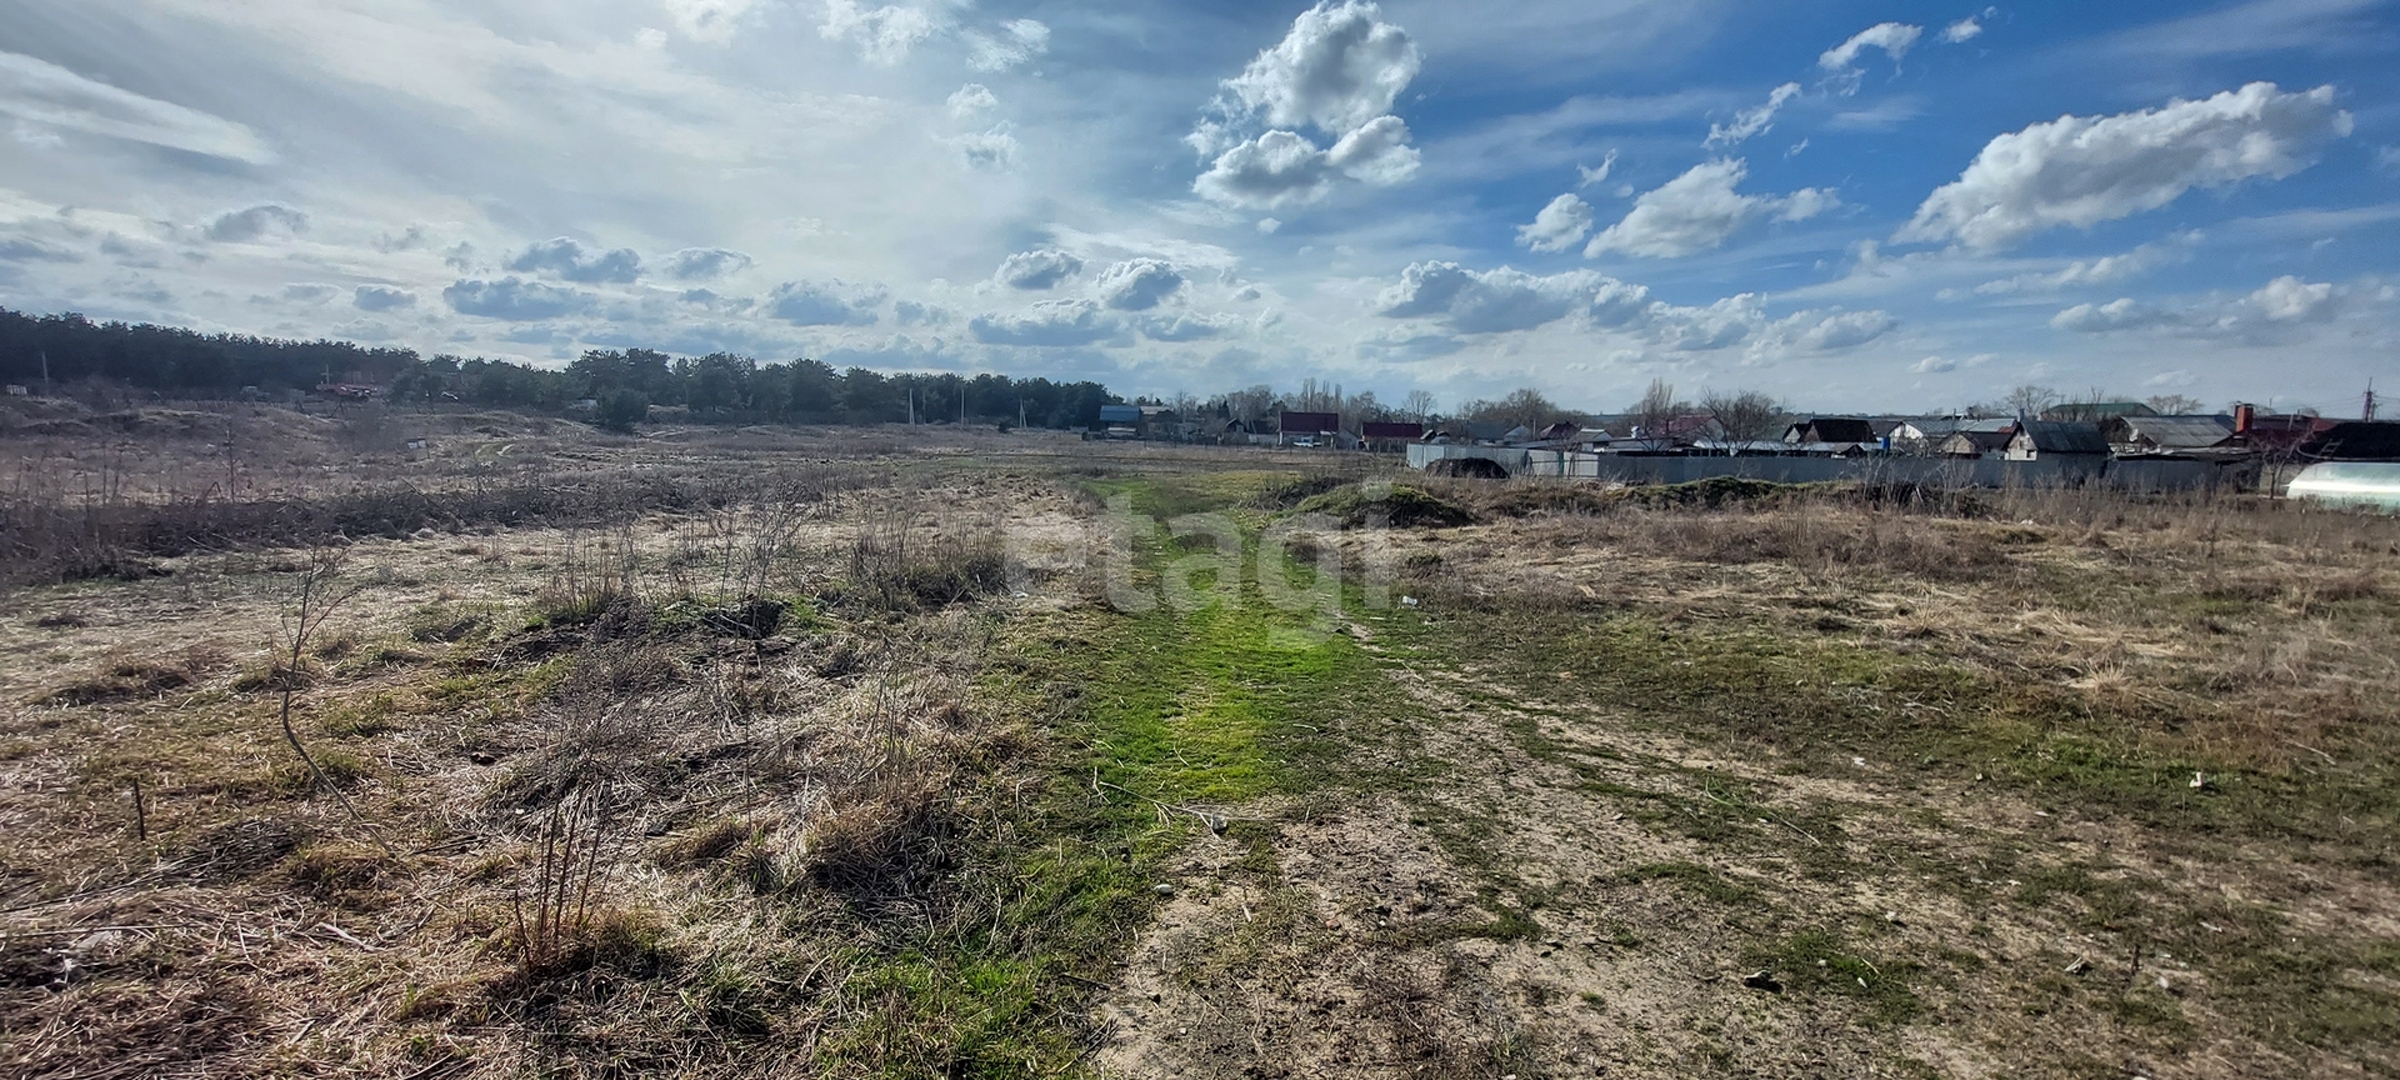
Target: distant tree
1523 407
619 410
2027 401
1741 416
1656 409
1418 406
2176 404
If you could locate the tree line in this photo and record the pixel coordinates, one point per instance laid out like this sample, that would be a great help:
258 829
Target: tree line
614 387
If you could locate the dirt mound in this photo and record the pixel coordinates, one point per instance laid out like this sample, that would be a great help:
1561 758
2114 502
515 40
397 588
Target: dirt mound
1388 504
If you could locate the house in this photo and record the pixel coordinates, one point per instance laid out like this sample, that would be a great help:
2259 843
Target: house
2095 411
1121 421
2354 440
1977 441
2058 440
1831 429
2273 433
18 391
1307 428
1389 434
1930 434
2130 435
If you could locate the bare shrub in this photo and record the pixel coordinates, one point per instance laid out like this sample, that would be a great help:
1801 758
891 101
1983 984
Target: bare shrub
899 565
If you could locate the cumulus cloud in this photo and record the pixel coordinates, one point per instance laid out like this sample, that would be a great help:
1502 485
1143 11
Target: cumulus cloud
1490 301
1467 301
1051 323
912 313
42 93
712 21
380 298
2100 271
1192 327
514 299
971 99
884 36
826 303
308 293
1933 365
1558 226
1041 269
1013 43
994 149
564 258
1841 61
699 264
1339 67
2081 171
1138 284
1699 210
257 223
2271 312
20 249
1339 71
1962 31
1748 123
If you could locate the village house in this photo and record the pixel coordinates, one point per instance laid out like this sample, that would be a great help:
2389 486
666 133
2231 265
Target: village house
2143 435
2058 440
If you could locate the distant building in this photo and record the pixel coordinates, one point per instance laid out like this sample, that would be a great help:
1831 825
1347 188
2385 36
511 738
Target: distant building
1308 428
2057 440
1975 442
1121 421
1831 429
2129 435
1931 434
2354 440
18 391
1389 434
2273 433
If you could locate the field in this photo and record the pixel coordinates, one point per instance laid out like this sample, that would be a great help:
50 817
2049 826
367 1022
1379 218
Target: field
534 751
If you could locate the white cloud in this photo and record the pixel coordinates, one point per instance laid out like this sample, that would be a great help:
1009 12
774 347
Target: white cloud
994 149
1052 323
1845 330
2100 271
1016 41
564 258
970 99
1750 123
1340 67
1193 327
1699 211
1339 70
912 313
1138 284
1933 365
514 299
827 303
2270 313
257 223
1962 31
1042 269
1482 302
884 36
712 21
1268 225
1587 177
696 264
2081 171
2387 160
1558 226
42 93
1841 61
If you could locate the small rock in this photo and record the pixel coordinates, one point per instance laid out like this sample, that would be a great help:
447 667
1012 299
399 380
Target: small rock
481 758
2080 966
1762 980
1163 889
1216 823
1408 601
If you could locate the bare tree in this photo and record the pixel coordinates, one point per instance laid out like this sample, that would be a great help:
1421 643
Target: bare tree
2176 404
1418 406
1523 407
2027 402
1656 409
1741 416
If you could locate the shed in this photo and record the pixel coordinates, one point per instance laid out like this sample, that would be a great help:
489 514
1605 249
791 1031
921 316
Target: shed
1976 442
2039 440
1120 414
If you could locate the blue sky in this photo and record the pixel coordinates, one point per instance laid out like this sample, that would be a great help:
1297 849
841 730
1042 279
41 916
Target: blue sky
1847 205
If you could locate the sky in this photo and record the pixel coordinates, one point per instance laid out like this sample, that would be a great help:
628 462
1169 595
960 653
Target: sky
1846 205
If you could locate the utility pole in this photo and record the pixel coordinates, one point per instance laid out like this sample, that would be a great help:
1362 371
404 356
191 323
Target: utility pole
46 373
2368 413
912 406
962 404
